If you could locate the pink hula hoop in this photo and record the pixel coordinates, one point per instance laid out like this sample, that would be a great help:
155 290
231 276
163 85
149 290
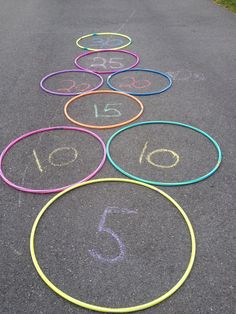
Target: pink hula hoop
47 191
107 50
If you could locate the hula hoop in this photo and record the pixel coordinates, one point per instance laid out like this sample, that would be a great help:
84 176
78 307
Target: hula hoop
165 75
46 191
165 183
103 126
67 71
102 34
106 50
100 308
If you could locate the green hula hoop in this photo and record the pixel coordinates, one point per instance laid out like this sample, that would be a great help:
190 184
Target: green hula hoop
108 309
101 34
166 183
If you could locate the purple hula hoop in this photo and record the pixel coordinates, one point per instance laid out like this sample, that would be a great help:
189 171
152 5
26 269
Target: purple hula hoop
107 50
66 71
21 188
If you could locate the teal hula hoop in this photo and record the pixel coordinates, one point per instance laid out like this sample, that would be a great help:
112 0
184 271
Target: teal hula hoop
165 183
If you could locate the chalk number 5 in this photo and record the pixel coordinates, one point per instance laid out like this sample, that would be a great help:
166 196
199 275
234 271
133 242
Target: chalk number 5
103 228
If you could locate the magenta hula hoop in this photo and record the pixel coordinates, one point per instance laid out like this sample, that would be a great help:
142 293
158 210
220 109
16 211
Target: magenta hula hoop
69 93
47 191
113 63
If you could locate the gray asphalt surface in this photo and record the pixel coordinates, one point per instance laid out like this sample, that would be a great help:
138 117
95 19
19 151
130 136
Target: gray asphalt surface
195 42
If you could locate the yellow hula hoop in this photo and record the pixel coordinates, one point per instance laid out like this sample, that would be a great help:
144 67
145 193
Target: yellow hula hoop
100 34
107 309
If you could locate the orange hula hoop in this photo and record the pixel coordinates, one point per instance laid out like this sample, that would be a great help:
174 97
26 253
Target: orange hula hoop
102 127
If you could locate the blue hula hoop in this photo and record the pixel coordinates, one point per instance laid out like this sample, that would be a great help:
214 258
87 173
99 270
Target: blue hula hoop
165 75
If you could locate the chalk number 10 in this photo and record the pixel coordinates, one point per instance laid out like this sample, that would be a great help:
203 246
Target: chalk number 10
71 152
149 157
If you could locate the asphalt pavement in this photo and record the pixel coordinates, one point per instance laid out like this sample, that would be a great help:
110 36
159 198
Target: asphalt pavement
118 244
